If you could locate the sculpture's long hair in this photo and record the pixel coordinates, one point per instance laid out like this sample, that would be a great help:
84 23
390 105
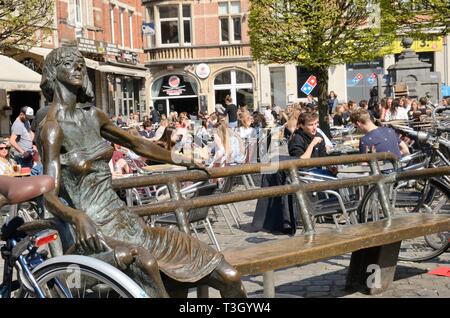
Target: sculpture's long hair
53 59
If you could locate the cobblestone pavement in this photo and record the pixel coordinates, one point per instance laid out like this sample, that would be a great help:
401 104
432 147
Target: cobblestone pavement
325 278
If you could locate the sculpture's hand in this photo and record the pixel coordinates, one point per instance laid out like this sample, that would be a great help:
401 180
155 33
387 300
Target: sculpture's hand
87 234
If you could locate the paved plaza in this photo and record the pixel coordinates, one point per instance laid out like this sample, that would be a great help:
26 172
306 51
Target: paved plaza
325 278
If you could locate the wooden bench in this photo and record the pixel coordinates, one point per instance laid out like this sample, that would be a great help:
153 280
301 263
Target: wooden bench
371 243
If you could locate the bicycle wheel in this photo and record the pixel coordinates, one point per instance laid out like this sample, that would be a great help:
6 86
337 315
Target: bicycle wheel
414 197
77 276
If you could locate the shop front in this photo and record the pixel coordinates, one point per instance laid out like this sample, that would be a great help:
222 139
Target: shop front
19 86
175 92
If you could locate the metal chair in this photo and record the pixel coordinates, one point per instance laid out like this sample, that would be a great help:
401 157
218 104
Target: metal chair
334 203
196 217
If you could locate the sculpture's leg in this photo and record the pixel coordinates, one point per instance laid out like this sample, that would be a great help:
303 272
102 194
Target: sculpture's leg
227 280
140 264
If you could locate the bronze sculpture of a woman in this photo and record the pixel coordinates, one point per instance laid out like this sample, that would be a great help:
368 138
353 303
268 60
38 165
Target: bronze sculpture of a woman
76 152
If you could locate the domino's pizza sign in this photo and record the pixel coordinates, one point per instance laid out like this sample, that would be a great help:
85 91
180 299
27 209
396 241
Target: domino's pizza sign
309 85
372 78
357 78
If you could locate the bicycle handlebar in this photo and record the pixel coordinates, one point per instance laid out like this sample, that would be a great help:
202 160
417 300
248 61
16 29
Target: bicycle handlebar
438 110
424 137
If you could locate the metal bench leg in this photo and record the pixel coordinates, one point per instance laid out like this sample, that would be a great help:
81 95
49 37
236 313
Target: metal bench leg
225 217
252 182
372 269
192 226
245 181
269 284
233 205
232 215
202 291
211 234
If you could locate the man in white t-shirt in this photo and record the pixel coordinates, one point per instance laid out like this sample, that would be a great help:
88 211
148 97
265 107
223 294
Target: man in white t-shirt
22 137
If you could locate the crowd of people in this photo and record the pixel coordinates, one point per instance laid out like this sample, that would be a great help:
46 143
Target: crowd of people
232 134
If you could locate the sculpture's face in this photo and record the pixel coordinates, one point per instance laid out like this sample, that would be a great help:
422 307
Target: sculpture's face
71 70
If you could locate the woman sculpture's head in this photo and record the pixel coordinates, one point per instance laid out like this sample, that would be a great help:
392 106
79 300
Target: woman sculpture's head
66 65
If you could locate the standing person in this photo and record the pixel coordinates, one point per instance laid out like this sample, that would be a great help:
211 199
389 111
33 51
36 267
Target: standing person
332 102
231 110
154 115
22 137
380 139
76 154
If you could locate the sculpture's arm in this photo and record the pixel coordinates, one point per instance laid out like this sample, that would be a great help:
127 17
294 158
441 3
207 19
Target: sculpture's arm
142 146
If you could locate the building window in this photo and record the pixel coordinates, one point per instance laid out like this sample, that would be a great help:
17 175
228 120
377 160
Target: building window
130 19
230 21
175 24
187 23
237 84
122 36
78 13
128 96
111 14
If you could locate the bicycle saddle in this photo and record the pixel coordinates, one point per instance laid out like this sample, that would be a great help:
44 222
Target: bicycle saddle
17 190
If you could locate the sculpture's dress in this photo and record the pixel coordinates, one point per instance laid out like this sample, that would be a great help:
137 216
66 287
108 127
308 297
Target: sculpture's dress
87 179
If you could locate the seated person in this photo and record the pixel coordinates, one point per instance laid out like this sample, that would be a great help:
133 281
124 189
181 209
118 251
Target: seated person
380 139
6 167
307 142
118 165
338 119
147 131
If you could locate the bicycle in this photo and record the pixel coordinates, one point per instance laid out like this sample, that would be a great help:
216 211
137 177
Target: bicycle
37 276
419 196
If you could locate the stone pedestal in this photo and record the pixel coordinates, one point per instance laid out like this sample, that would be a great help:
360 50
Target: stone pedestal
415 74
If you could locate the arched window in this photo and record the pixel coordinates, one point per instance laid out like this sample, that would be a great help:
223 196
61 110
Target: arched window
237 84
175 92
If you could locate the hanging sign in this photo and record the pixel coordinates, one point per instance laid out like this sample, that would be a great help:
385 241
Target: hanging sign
309 85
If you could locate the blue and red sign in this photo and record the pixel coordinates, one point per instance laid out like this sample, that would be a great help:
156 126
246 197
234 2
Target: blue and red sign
372 78
357 78
309 85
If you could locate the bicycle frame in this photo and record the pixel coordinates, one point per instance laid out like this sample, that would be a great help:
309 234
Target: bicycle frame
25 266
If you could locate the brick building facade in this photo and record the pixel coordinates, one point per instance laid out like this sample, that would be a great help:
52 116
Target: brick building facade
198 52
108 33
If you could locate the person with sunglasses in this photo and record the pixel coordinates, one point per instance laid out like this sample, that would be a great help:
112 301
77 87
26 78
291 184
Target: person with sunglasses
5 165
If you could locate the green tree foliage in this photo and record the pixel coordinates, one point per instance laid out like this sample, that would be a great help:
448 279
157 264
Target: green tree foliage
322 33
424 18
20 19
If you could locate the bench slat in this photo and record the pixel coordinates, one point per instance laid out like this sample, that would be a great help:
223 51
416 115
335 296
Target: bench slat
272 255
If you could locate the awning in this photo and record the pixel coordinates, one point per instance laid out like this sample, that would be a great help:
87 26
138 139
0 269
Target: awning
122 70
42 51
15 76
